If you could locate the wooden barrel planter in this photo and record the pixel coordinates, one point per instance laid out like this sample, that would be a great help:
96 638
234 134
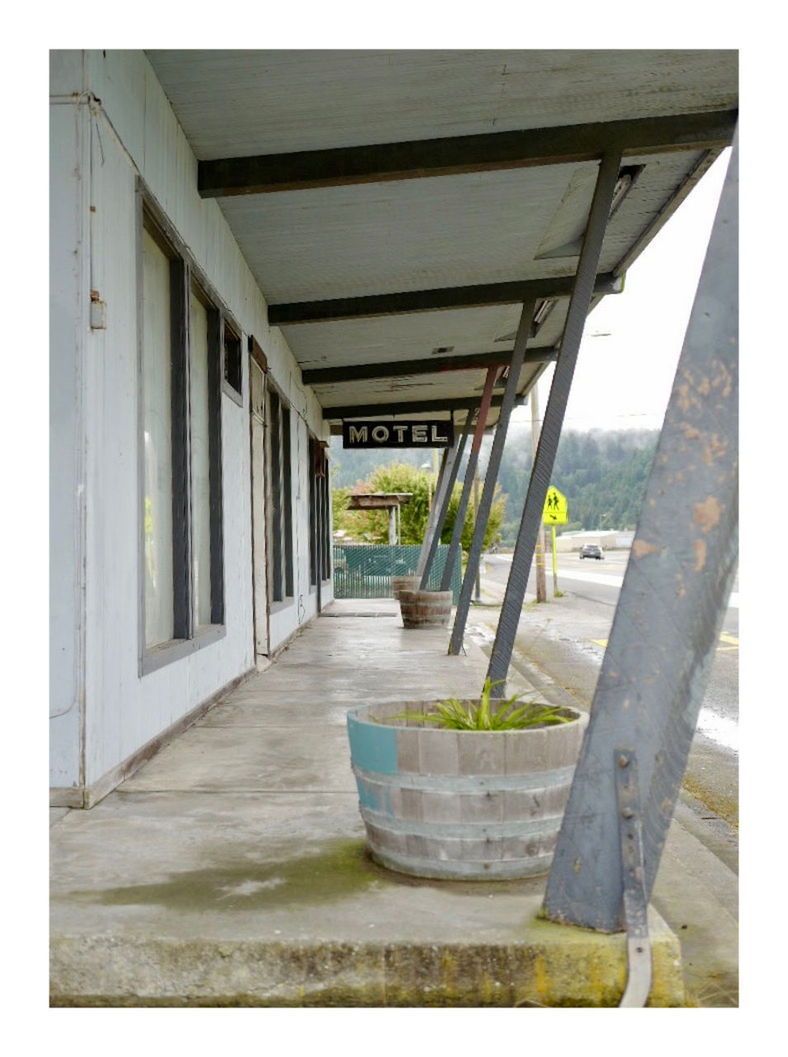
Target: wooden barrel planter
404 583
425 609
461 805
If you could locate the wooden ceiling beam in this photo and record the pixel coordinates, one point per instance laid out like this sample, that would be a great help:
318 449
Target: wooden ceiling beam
412 407
509 293
445 156
432 365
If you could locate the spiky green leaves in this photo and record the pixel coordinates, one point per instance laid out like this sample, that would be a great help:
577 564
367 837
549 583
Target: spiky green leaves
486 714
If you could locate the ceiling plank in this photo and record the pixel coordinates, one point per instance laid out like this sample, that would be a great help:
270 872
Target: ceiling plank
415 159
433 365
509 293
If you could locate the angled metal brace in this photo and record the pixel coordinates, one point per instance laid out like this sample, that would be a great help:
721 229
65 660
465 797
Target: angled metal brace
470 471
553 420
440 502
633 876
449 458
672 603
485 504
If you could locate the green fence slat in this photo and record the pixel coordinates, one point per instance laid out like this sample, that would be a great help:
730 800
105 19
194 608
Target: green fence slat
365 570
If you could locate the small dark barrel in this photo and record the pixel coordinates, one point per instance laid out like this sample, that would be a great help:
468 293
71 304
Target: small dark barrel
425 609
404 583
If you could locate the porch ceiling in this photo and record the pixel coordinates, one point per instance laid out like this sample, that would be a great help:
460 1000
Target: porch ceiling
397 207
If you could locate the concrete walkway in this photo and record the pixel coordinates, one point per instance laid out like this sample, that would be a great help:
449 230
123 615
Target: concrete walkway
230 869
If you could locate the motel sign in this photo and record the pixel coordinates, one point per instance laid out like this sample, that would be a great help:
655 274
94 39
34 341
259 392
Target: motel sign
423 434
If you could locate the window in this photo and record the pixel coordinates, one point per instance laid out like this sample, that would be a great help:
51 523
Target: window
232 369
319 534
182 333
280 475
200 435
157 439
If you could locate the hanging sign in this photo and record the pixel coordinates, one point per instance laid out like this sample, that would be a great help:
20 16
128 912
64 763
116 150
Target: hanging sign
421 434
556 508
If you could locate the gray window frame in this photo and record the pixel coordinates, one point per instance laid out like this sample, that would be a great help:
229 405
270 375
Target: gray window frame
185 276
279 471
228 388
319 512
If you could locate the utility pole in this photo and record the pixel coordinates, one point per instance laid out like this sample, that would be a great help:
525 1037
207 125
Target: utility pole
536 425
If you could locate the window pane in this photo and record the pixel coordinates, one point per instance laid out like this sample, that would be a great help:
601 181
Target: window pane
157 383
287 502
275 479
201 485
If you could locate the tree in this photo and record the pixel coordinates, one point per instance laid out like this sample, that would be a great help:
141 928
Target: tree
397 477
372 525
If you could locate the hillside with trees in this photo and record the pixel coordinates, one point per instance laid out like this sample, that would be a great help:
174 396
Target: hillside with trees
603 474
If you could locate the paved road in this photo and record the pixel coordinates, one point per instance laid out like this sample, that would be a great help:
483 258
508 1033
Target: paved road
598 583
566 639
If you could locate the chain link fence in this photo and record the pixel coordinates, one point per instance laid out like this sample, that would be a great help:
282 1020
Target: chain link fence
365 570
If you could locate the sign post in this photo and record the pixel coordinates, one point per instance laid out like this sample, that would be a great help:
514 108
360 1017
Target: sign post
556 512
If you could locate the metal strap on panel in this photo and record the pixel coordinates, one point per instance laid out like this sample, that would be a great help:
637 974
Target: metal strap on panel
630 828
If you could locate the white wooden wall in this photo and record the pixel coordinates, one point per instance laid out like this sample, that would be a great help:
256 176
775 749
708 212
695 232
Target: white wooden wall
97 151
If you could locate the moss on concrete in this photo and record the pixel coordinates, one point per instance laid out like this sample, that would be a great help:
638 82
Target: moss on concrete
551 965
725 807
341 870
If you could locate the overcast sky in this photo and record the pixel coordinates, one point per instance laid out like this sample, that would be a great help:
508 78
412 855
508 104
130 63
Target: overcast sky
632 340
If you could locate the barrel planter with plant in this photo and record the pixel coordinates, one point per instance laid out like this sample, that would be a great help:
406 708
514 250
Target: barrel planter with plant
404 583
464 790
425 609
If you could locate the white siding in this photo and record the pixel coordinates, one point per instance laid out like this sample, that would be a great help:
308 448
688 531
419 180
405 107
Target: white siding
69 131
97 153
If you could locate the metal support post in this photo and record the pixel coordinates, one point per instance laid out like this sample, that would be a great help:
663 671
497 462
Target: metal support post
477 588
553 420
432 514
470 472
483 513
440 502
541 590
671 607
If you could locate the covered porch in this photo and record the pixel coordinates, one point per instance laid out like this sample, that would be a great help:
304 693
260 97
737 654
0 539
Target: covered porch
230 870
384 237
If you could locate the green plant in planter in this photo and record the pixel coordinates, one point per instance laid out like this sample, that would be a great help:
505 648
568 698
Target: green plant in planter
454 714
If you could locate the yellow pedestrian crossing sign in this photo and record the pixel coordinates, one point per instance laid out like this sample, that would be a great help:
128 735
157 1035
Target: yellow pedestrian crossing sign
556 508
